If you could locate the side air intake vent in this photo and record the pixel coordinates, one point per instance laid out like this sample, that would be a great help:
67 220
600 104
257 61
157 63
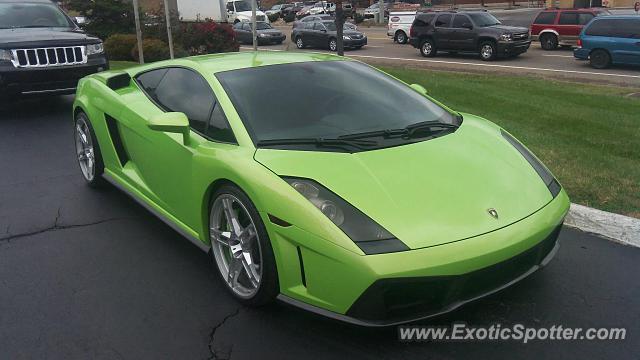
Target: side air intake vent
114 133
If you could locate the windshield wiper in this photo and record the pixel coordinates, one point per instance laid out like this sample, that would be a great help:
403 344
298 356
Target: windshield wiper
320 142
408 132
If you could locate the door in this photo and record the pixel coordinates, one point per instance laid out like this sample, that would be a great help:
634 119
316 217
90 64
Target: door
320 38
463 37
161 162
568 26
625 48
443 32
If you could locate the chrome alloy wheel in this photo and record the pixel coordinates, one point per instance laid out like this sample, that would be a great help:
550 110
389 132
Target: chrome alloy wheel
235 245
84 149
333 44
486 51
427 48
299 43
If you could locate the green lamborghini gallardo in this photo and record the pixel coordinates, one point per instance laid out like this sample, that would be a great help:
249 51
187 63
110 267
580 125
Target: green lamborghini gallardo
322 182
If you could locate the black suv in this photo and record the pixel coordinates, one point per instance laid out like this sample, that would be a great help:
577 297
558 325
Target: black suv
467 31
42 51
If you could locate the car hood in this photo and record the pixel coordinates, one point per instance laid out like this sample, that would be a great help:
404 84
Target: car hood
509 29
14 38
431 192
248 13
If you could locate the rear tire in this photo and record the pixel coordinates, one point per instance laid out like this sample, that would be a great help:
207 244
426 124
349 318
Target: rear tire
299 42
428 48
599 59
549 41
401 37
488 51
88 151
333 45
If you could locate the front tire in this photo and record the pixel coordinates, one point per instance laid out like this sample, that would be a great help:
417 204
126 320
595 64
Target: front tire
428 48
401 37
299 42
599 59
88 151
241 249
488 51
333 45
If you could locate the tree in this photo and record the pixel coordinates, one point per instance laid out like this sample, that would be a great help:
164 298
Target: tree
105 17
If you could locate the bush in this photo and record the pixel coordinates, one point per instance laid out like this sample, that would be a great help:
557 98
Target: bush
274 17
208 38
118 46
105 17
154 50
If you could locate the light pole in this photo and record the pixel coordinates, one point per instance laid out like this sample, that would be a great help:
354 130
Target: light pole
253 25
136 14
339 28
167 16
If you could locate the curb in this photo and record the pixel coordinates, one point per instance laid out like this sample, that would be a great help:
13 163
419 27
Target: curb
619 228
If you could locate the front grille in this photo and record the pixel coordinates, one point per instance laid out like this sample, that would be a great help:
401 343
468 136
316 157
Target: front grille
522 36
357 36
46 57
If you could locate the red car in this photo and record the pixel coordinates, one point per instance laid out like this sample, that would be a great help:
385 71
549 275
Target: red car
562 26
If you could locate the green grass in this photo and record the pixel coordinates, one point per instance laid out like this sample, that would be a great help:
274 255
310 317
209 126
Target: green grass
588 135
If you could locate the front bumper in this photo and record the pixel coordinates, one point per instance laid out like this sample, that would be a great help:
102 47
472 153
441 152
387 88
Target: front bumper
47 80
271 39
355 43
388 289
507 48
581 53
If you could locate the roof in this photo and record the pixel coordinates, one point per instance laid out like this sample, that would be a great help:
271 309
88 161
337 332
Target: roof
215 63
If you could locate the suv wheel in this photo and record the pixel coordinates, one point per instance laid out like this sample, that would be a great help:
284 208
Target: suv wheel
599 59
428 48
549 41
401 37
299 43
488 51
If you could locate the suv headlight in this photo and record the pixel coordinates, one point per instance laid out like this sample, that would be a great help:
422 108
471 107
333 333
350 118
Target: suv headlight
5 55
346 37
368 235
94 49
505 37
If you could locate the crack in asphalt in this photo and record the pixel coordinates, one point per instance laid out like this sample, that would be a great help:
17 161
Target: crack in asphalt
212 334
56 227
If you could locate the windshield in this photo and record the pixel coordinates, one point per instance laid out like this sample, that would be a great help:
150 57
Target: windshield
261 26
335 98
484 19
242 6
27 15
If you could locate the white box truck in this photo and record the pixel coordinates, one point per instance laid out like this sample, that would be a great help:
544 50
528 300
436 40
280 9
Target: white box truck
200 10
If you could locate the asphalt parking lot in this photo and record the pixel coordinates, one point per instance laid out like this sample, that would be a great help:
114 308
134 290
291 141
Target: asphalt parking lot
558 64
91 274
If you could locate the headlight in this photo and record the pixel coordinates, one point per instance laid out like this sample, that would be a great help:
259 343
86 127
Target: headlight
262 35
345 37
368 235
5 55
552 184
505 37
95 49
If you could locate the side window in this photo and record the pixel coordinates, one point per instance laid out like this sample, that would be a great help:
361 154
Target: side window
318 26
460 20
150 80
600 28
443 20
584 18
423 20
308 26
545 18
218 127
568 18
197 106
628 28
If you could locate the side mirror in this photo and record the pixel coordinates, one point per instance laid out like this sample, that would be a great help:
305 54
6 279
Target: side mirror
171 122
419 88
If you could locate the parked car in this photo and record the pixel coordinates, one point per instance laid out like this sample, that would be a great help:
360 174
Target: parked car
322 34
610 40
42 51
304 11
275 9
323 7
386 204
372 10
400 25
347 9
240 10
562 26
265 33
469 32
312 18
